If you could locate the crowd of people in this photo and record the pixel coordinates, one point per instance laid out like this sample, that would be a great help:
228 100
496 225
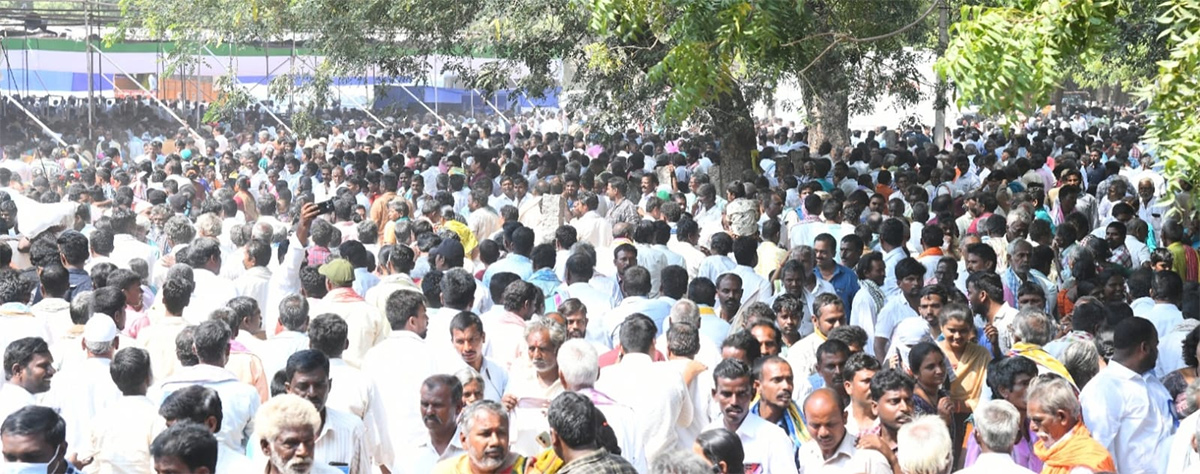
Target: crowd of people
525 295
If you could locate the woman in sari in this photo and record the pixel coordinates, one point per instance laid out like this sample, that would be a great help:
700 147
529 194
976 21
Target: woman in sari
927 365
968 360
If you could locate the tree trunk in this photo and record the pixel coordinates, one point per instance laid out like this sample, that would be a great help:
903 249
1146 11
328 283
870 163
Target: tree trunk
733 126
828 116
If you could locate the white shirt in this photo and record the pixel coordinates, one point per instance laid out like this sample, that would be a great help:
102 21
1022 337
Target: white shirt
239 400
401 385
211 292
159 340
896 309
714 265
367 326
692 256
597 304
229 460
765 444
285 281
13 397
421 457
890 259
495 378
593 229
863 315
1128 413
995 463
802 356
119 442
1182 456
342 440
1165 317
275 351
256 283
79 393
848 459
20 324
355 393
126 248
657 310
754 286
653 261
657 396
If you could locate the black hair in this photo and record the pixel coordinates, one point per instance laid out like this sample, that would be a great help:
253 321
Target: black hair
888 380
328 333
1002 373
402 306
191 444
306 361
130 368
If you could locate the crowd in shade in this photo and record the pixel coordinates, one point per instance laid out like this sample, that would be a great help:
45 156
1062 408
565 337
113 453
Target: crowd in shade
526 295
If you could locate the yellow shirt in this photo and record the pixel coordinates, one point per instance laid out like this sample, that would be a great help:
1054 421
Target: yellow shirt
461 464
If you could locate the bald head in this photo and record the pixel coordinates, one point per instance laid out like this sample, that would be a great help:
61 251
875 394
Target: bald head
622 230
822 402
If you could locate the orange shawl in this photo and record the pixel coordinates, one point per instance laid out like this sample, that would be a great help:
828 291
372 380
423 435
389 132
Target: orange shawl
1076 449
970 373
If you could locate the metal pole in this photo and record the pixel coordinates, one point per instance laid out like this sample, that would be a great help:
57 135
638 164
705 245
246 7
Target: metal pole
489 103
91 79
939 115
46 129
143 88
260 104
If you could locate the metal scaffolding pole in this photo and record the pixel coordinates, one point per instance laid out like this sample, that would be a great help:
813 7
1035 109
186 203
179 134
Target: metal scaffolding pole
256 101
147 91
29 114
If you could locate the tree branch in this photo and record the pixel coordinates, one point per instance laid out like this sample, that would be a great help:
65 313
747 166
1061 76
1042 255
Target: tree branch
842 37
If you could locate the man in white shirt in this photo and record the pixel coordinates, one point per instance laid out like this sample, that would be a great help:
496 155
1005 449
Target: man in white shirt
985 294
767 448
830 315
354 392
1167 291
119 441
891 242
654 391
580 269
833 448
401 388
82 391
202 405
255 282
997 426
342 438
239 400
467 336
684 243
126 247
910 277
1126 407
636 286
367 325
29 376
275 350
578 367
756 288
212 291
590 226
159 337
285 423
441 402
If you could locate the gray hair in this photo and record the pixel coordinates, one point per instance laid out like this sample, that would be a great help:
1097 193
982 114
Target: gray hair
578 363
685 311
1019 214
1192 393
81 307
98 347
467 375
1012 246
179 229
1082 361
262 231
924 446
1054 393
997 422
208 225
558 334
1034 326
680 462
467 419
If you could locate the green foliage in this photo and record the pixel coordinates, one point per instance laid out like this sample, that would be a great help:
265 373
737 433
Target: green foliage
1173 99
1012 57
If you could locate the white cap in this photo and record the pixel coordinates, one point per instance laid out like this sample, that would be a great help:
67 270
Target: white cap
100 328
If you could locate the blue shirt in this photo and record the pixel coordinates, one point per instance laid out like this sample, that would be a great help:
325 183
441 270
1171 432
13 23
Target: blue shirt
364 280
844 282
521 265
